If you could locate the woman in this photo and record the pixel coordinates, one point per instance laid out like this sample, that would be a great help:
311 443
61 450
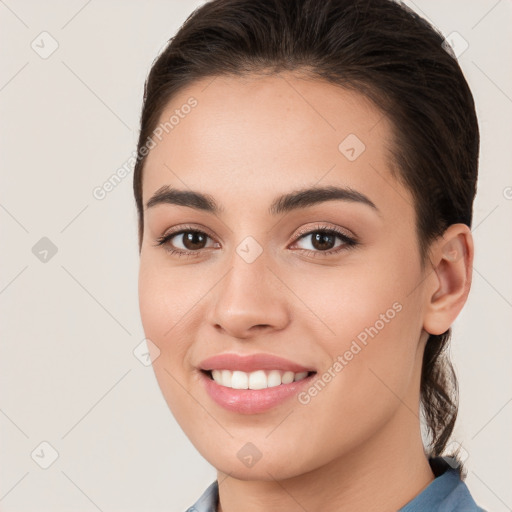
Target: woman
305 179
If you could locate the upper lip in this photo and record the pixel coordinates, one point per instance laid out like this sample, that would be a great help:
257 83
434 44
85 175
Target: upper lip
249 363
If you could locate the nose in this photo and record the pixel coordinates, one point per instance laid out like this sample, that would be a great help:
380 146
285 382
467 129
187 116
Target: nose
249 300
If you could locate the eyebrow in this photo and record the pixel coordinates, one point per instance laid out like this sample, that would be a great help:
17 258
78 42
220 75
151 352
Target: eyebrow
285 203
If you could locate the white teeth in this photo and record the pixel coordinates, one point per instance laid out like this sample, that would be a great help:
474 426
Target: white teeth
287 377
259 379
274 378
226 378
240 380
300 376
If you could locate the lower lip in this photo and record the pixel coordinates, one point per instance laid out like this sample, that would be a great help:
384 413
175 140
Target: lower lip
252 401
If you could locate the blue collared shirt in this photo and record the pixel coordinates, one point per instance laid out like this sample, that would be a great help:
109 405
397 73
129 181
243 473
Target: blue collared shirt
447 493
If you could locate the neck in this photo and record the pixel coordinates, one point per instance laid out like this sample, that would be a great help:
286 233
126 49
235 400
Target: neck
383 475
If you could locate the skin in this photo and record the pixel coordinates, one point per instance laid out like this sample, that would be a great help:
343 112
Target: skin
356 446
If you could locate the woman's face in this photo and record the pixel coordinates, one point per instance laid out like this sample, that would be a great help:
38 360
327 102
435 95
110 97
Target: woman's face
271 276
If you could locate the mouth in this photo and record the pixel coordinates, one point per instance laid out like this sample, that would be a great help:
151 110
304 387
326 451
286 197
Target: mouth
257 392
255 380
253 383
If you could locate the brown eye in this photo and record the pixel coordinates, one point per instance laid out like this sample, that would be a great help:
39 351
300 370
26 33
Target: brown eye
193 240
324 241
185 241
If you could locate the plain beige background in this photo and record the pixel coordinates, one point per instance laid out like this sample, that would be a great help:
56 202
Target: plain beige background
68 284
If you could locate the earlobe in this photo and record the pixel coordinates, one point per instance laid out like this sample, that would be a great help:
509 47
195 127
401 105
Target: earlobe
452 260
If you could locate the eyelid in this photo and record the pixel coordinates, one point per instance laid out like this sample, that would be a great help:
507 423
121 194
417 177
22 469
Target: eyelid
320 226
188 227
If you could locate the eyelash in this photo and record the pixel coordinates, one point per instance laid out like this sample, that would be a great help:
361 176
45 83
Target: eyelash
348 242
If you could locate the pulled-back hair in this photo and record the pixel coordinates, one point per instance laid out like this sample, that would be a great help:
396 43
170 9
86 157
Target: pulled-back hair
381 49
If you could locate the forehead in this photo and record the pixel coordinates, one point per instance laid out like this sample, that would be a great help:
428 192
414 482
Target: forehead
260 135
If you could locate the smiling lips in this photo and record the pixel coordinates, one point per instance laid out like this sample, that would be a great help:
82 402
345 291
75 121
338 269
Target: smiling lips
252 384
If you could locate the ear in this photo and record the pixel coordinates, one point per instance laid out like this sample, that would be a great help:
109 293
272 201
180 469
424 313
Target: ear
448 284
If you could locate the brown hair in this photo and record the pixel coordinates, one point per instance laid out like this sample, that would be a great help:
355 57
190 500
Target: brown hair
377 47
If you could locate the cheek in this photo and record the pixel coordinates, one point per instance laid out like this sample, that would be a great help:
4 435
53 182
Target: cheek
370 323
167 297
348 299
167 294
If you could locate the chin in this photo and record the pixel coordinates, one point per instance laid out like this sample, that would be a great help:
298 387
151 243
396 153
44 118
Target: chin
234 459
